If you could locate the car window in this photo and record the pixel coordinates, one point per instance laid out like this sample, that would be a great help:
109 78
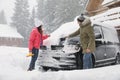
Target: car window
97 32
74 40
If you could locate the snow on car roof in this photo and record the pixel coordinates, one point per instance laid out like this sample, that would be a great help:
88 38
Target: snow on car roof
111 16
105 25
106 1
108 12
113 22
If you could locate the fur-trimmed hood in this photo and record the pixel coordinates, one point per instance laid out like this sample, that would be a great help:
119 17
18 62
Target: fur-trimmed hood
86 22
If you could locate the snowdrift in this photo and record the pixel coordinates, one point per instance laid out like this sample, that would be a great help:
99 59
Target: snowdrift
13 65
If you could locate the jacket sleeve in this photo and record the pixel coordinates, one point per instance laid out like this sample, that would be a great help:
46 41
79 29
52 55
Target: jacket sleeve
75 33
44 37
91 44
31 40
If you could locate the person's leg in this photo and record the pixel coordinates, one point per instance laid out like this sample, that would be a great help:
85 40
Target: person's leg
34 58
90 65
79 60
87 61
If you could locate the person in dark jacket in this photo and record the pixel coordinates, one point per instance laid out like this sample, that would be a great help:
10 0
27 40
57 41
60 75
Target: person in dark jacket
87 40
35 41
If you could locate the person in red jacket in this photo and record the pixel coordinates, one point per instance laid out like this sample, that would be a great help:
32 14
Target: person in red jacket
35 41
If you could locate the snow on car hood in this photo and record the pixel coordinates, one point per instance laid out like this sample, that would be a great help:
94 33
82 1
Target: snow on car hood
62 31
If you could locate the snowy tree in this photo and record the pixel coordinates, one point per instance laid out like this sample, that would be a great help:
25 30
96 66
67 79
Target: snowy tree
49 11
56 12
69 9
42 12
20 18
41 9
32 18
31 21
2 18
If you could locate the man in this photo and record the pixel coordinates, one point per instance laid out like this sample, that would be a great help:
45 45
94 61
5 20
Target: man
35 41
87 39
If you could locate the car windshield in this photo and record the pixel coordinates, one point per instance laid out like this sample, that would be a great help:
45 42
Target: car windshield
73 41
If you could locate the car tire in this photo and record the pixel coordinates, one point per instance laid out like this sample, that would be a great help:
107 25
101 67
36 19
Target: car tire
45 68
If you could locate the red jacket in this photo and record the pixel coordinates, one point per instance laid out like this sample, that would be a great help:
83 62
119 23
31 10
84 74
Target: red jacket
35 39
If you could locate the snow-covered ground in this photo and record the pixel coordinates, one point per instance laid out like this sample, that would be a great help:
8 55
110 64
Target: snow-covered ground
14 63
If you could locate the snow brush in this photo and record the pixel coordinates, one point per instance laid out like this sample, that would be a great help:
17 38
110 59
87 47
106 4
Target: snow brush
30 54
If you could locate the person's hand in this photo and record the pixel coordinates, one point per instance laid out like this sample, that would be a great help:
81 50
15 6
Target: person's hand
88 51
30 54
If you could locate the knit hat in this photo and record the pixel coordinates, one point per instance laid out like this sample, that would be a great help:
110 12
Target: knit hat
81 18
38 23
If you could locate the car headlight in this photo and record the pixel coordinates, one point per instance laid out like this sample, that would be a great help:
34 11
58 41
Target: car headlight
77 47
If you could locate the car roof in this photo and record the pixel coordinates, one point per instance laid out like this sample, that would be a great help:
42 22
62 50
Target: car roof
105 25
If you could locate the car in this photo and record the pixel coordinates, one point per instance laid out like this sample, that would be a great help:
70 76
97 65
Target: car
68 54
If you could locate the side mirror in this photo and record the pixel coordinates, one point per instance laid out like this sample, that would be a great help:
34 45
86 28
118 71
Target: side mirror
98 36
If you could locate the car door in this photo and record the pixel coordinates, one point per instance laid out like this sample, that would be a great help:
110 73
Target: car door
100 44
111 40
110 50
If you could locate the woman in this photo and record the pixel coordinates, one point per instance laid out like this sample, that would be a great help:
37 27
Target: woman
35 41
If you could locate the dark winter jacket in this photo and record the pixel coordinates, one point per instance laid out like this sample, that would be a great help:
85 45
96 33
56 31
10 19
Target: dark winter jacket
87 38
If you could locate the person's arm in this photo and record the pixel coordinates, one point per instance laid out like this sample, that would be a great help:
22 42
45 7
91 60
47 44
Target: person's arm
45 36
75 33
31 40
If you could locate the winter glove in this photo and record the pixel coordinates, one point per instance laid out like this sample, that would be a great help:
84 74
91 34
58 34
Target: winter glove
30 54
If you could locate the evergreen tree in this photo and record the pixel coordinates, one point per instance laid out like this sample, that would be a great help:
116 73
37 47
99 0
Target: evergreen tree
32 18
45 12
20 19
56 12
2 18
41 9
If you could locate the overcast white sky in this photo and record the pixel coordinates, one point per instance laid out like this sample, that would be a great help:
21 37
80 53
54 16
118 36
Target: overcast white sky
8 5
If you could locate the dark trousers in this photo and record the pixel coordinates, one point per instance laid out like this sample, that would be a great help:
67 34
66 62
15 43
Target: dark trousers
33 59
79 60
